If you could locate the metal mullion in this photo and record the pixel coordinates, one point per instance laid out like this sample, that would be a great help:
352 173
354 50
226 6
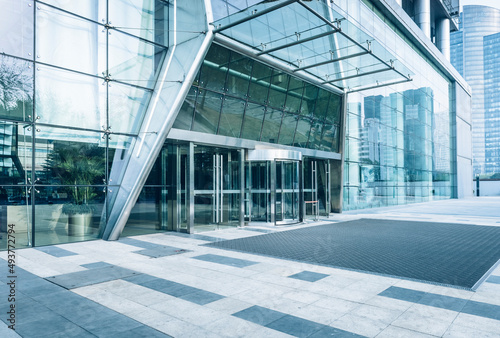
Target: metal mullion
298 42
33 150
256 15
332 60
70 13
358 75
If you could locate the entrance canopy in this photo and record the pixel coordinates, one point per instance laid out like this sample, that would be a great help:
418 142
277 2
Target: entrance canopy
312 37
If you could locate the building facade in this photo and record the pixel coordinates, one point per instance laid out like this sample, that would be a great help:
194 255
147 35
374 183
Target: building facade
130 117
475 50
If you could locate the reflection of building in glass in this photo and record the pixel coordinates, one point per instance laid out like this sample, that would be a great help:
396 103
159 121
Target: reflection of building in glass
220 118
475 49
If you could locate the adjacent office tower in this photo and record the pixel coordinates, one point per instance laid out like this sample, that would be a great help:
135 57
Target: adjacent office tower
473 50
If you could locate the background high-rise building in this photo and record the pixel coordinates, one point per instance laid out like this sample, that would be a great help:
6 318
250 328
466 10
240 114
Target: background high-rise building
474 53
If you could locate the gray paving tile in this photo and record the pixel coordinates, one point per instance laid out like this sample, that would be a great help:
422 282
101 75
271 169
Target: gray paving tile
482 309
55 251
295 326
141 331
50 326
265 231
35 287
89 277
170 288
73 332
259 315
115 325
140 278
443 302
201 297
309 276
138 243
96 265
328 331
196 236
161 251
408 295
236 262
494 279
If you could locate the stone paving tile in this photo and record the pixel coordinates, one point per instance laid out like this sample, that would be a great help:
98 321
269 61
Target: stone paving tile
259 315
359 325
236 262
309 276
95 265
228 305
494 279
56 251
88 277
328 331
399 332
458 331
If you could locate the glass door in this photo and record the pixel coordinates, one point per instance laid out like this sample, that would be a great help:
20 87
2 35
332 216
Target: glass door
258 191
217 188
287 203
317 188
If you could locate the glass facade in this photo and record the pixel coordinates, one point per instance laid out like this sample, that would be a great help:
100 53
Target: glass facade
398 142
475 50
74 89
492 104
238 97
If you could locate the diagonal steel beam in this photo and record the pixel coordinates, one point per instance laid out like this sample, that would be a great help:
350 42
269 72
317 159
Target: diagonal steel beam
255 15
332 61
298 42
359 75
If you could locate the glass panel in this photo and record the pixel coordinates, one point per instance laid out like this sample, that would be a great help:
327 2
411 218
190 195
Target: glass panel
69 99
231 117
147 19
334 109
59 218
16 153
277 91
252 122
294 95
16 28
316 134
132 60
271 127
330 136
146 217
69 42
184 119
126 106
303 131
70 157
238 79
119 152
16 88
207 111
309 100
259 86
288 127
15 216
91 9
213 72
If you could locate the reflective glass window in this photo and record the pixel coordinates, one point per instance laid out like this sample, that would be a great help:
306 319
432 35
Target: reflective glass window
271 127
252 122
303 131
231 117
69 42
133 61
147 19
278 89
207 111
16 153
16 88
69 99
238 78
288 127
184 118
294 95
126 107
214 69
91 9
16 28
69 157
259 85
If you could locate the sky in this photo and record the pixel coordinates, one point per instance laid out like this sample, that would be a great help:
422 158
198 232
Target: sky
491 3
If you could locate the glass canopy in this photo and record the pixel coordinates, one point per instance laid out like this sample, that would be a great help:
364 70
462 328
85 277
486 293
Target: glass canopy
314 38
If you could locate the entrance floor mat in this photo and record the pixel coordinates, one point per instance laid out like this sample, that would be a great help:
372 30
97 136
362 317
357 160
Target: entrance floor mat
459 255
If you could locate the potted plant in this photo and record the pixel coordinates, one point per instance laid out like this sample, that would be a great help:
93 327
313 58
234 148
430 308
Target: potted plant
77 166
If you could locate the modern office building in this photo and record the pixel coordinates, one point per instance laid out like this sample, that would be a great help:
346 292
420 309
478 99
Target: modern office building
130 117
475 49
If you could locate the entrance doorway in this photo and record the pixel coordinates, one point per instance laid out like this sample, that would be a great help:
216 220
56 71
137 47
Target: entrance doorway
216 188
317 185
288 189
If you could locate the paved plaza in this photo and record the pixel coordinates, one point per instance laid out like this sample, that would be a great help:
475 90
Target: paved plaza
171 284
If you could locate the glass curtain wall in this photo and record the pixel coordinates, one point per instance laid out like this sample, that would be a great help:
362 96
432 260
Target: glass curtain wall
236 96
398 147
76 78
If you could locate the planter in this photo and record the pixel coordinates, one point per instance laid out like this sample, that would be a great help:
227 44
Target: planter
79 224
